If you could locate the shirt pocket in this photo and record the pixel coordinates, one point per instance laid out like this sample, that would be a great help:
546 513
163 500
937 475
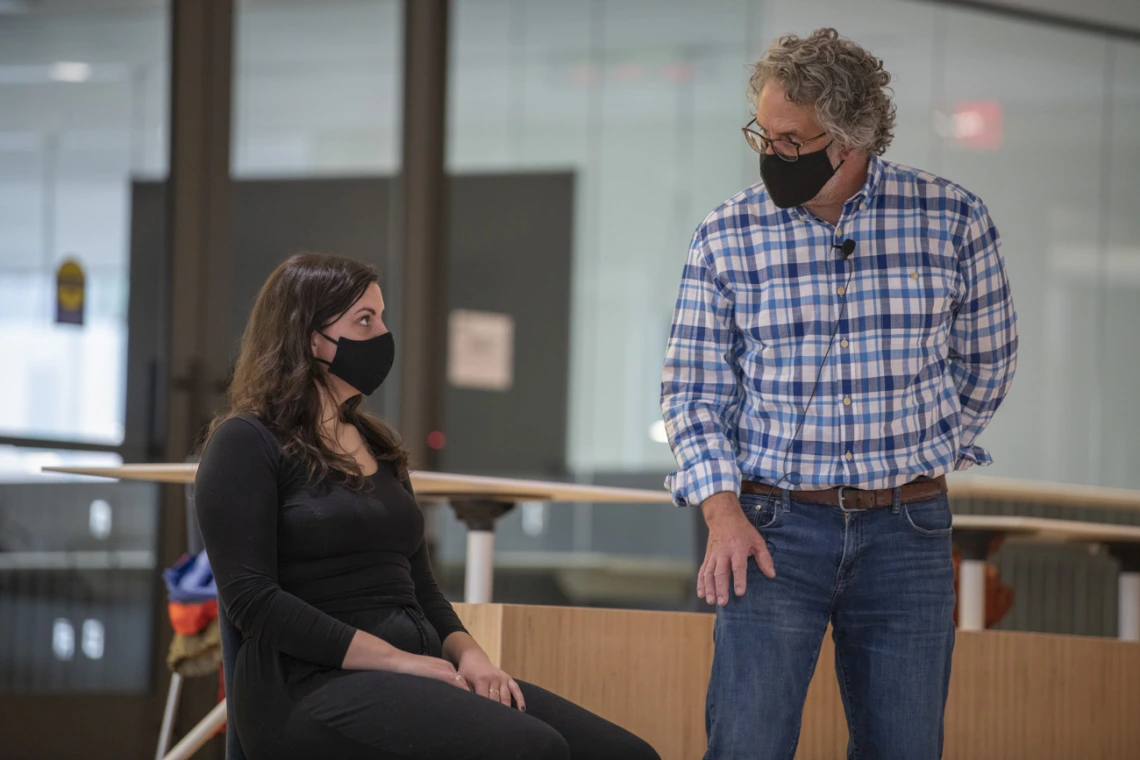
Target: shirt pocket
915 298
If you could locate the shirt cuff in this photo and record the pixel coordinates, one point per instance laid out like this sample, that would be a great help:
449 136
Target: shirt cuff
446 629
692 486
973 455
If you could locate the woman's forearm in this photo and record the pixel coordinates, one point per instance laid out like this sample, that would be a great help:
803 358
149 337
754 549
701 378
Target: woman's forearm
459 645
367 652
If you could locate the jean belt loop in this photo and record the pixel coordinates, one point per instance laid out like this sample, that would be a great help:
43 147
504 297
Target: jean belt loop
786 499
896 505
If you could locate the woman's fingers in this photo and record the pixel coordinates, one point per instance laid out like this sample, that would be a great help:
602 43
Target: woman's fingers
503 692
455 678
516 692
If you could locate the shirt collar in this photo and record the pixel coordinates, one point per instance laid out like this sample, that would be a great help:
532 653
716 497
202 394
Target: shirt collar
865 194
871 184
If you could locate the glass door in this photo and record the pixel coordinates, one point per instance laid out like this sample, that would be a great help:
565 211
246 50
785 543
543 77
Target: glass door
83 115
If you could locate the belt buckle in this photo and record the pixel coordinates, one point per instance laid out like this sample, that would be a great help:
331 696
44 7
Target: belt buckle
840 491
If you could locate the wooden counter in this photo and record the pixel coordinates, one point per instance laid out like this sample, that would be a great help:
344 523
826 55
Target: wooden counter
962 487
1012 695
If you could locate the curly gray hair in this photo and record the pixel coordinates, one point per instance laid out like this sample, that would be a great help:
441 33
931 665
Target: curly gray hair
844 83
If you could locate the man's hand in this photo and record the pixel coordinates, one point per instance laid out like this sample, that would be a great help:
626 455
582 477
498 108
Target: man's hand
732 540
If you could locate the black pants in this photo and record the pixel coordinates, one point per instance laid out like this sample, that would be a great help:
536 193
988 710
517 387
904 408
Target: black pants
287 709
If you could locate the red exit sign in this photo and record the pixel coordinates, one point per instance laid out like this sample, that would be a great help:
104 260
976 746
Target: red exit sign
977 124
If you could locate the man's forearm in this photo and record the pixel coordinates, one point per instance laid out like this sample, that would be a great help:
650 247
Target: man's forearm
719 505
981 390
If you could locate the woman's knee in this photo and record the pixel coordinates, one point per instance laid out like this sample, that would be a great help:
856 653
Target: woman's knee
642 751
541 742
631 747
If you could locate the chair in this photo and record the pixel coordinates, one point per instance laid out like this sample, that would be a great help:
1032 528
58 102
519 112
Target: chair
231 636
231 642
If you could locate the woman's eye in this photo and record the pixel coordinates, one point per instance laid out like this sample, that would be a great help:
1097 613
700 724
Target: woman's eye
364 320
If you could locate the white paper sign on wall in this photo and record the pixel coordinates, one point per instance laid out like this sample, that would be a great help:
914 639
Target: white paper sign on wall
480 352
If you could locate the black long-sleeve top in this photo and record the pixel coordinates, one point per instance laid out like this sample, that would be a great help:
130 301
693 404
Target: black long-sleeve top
290 557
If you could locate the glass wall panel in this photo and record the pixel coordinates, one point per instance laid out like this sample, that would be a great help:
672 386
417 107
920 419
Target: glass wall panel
1023 109
317 88
83 111
1119 370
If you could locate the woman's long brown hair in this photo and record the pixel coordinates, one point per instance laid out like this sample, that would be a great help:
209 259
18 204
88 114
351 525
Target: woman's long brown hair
277 379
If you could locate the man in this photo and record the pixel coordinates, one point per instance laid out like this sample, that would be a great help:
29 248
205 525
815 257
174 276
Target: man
843 335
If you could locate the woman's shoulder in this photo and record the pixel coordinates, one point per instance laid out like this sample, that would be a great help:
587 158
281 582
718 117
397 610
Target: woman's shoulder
243 433
390 471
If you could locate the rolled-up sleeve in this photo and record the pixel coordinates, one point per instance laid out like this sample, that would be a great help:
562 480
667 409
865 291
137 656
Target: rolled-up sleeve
700 394
983 337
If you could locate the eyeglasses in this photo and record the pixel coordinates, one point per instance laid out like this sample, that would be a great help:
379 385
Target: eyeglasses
789 150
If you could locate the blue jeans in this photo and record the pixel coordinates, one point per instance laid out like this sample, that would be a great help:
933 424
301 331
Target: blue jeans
884 579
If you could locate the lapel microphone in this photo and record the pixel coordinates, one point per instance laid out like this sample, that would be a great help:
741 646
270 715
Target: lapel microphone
846 249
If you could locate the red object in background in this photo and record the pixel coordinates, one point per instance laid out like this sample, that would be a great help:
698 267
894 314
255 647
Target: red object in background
584 75
436 440
628 72
190 619
681 71
978 124
999 596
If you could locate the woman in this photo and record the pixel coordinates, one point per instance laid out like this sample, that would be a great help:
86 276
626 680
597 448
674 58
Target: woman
349 649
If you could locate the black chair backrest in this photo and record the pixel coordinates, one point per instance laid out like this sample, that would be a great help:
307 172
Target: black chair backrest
231 642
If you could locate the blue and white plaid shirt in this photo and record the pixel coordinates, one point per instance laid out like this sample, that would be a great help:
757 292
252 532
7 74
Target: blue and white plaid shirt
924 353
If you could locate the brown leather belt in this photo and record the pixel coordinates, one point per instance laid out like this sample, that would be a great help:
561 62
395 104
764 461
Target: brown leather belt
922 489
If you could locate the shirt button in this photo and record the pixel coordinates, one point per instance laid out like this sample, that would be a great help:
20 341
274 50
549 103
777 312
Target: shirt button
844 343
838 232
847 401
914 275
850 456
841 290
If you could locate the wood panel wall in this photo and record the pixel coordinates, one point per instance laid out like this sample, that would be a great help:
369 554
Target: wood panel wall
1012 695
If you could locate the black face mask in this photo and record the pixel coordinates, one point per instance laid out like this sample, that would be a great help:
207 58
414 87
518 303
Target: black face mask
794 183
363 364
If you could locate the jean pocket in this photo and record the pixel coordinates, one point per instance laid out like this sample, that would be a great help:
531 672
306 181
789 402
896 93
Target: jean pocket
762 511
930 519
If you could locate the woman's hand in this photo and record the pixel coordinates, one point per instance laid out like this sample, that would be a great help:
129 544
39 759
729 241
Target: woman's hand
428 667
488 681
367 652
